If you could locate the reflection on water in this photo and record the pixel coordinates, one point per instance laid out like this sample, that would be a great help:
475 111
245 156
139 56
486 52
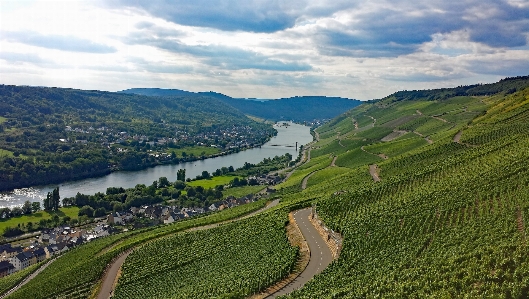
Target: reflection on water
281 144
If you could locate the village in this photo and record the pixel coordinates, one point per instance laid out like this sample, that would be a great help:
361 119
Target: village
53 242
235 137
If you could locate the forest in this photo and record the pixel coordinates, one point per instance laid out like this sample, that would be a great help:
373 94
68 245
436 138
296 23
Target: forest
50 135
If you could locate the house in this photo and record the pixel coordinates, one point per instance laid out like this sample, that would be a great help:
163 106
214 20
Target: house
6 268
170 218
39 254
134 210
23 260
51 251
62 247
115 218
7 252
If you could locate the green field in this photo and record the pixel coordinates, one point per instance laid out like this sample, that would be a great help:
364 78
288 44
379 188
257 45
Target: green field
214 181
242 191
36 217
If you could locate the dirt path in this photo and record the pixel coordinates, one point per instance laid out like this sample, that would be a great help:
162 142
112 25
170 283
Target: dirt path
373 170
333 163
28 278
418 112
520 224
374 119
111 276
457 138
305 180
441 119
320 255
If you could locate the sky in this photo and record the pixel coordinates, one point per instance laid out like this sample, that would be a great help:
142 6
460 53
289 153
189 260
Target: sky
263 49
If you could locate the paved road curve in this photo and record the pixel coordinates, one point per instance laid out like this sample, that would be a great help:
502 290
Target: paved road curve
320 255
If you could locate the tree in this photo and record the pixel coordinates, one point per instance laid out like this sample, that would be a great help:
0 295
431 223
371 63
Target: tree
56 219
26 208
86 211
235 182
52 200
181 175
99 212
56 199
117 207
179 185
230 169
205 174
47 202
12 231
191 191
35 206
17 211
163 182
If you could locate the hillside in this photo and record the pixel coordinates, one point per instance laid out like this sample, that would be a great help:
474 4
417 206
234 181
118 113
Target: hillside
49 135
300 109
448 216
430 195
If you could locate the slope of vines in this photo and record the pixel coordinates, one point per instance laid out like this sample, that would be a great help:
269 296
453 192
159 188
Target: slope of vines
231 261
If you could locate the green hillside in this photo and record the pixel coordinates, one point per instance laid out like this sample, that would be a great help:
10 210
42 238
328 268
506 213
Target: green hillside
446 220
299 109
50 135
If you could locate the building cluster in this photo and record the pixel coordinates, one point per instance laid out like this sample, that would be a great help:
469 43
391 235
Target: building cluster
51 242
158 214
266 179
223 138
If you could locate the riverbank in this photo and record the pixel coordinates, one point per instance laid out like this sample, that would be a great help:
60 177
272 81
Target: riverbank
285 138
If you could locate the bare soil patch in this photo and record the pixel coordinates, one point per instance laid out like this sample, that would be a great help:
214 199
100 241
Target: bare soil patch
373 170
400 121
393 135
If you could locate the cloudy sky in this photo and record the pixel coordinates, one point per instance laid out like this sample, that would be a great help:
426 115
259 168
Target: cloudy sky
264 49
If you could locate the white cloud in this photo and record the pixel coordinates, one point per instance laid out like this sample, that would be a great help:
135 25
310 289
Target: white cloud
353 49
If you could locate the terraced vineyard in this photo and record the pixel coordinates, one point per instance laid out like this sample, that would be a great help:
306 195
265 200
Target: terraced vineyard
447 219
233 261
76 273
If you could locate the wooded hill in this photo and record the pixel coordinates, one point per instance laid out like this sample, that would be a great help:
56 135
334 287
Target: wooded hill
300 109
49 135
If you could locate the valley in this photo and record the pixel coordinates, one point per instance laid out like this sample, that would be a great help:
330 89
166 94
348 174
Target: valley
428 190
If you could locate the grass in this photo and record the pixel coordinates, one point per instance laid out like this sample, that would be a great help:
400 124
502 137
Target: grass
242 191
214 181
36 217
5 153
397 147
196 151
355 158
2 119
326 174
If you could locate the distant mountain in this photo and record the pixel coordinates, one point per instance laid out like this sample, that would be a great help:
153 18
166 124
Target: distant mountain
303 108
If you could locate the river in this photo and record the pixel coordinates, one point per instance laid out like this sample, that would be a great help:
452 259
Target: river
283 143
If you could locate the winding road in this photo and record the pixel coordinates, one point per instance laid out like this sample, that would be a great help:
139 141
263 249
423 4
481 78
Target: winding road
111 275
320 255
